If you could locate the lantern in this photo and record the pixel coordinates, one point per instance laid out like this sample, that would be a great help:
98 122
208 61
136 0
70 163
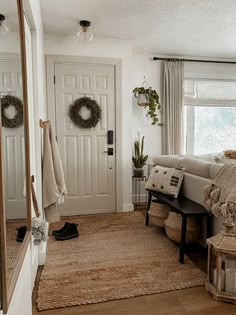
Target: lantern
221 277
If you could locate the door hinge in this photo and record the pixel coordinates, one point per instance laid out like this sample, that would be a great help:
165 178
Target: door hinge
54 79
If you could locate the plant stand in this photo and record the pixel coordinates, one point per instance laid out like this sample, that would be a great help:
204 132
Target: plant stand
137 191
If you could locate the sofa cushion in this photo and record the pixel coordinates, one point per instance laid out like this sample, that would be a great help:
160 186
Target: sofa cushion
214 168
225 160
165 180
168 160
197 167
203 157
193 185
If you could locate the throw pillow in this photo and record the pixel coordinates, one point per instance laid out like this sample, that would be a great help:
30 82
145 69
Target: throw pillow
167 160
230 154
218 156
196 166
165 180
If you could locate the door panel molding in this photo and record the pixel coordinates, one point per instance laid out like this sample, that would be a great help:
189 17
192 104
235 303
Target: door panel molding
51 60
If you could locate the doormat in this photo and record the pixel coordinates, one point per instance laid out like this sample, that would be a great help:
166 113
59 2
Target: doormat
115 257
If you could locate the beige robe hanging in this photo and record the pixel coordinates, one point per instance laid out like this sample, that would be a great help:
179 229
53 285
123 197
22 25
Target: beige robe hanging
54 187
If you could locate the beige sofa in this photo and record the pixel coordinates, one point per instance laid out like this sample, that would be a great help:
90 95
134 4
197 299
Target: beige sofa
198 172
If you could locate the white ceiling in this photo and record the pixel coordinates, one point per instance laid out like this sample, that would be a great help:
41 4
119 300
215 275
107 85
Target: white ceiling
173 27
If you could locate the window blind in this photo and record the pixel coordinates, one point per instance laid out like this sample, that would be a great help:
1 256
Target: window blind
209 92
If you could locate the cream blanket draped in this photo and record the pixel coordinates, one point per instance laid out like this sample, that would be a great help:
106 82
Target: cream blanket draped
54 187
220 195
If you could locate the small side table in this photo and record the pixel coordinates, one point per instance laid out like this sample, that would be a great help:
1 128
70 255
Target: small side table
137 188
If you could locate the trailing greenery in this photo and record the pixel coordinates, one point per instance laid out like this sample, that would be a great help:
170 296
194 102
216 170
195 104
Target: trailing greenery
153 103
139 159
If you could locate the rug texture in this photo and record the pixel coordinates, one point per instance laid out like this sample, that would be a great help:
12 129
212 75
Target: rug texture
13 247
115 257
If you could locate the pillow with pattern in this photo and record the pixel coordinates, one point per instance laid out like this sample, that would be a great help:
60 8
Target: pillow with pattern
165 180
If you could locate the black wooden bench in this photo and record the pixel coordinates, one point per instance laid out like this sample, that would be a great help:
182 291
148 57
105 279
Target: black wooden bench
186 208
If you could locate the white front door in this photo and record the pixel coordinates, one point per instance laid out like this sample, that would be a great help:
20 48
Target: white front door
13 142
89 170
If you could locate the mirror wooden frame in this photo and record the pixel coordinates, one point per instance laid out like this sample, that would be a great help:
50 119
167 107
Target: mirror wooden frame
8 286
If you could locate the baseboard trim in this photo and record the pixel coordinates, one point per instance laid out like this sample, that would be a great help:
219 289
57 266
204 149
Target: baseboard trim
128 207
75 213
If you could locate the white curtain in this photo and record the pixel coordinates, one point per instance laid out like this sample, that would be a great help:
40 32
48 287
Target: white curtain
172 107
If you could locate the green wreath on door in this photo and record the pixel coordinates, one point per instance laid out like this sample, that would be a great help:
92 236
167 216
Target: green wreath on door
91 105
17 120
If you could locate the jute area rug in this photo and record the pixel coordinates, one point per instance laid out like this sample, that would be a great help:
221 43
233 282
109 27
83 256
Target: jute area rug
115 257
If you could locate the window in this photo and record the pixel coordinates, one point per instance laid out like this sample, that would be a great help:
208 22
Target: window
210 115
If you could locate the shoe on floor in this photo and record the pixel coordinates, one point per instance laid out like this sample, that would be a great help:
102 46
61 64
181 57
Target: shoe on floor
56 232
70 231
21 231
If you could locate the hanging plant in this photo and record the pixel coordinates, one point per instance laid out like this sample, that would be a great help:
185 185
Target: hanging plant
91 105
148 98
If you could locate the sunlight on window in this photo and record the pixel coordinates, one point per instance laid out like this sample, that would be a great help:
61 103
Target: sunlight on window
210 129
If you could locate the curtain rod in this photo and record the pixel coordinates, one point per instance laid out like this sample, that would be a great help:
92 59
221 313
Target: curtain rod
193 60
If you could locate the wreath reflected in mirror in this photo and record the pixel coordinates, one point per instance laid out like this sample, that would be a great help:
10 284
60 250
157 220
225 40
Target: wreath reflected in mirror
85 103
17 120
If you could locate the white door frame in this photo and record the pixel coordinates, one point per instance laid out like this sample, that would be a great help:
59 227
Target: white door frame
51 106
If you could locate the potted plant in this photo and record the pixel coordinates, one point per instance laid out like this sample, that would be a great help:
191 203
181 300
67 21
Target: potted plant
139 160
148 98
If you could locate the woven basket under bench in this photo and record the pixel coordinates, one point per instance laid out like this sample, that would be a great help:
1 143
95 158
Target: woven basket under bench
161 215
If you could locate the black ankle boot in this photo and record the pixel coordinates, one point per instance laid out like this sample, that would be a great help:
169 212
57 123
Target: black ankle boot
70 231
57 232
21 233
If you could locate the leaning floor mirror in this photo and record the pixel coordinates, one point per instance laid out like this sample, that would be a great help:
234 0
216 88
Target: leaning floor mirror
15 201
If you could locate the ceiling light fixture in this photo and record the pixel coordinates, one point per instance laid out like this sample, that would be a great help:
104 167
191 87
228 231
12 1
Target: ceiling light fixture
3 28
84 34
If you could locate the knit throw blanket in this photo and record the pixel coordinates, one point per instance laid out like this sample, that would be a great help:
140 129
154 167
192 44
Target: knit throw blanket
220 195
39 231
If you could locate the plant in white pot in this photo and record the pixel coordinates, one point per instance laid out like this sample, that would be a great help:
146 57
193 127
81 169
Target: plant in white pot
139 159
148 98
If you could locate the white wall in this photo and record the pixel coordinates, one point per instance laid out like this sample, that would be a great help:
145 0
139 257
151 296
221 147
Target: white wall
210 70
39 79
106 48
143 65
10 44
39 87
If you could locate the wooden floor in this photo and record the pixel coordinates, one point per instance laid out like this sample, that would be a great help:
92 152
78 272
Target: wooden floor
188 301
182 302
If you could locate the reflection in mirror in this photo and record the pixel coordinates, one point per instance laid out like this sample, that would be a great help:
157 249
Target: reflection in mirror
12 133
